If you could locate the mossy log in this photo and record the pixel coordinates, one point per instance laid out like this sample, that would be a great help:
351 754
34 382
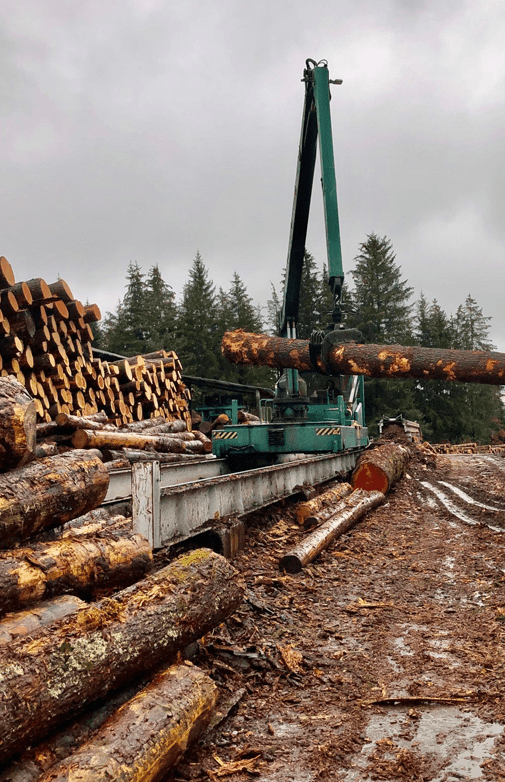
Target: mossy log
305 510
352 358
379 468
346 514
18 422
27 622
46 679
75 564
147 735
48 492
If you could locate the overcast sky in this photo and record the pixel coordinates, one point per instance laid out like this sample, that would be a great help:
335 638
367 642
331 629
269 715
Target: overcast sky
147 130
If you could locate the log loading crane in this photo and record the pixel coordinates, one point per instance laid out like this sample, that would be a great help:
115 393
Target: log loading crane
331 420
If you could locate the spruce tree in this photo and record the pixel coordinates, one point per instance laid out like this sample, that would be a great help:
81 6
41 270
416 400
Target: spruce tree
161 312
197 327
482 407
126 330
381 310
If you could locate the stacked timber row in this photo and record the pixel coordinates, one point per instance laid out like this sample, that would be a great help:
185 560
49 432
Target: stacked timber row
45 342
71 634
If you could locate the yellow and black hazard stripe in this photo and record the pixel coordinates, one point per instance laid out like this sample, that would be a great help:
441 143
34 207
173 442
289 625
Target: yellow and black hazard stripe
328 430
224 435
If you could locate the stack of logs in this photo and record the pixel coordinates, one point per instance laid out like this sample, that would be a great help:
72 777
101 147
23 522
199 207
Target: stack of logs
463 448
70 639
45 342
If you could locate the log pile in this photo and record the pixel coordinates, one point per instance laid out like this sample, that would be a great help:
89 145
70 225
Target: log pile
61 655
45 343
463 448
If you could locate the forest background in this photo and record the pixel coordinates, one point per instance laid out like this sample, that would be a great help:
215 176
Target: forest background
376 299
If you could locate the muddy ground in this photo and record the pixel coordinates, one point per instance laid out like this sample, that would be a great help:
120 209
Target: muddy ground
383 660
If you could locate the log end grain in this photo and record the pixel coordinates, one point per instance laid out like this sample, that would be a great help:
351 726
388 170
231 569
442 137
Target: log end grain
370 477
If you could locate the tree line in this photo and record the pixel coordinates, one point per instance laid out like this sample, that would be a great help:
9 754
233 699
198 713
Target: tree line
378 302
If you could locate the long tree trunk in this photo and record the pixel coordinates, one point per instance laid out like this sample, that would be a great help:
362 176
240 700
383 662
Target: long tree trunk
379 468
306 510
149 734
75 564
83 438
49 492
346 514
18 417
352 358
106 645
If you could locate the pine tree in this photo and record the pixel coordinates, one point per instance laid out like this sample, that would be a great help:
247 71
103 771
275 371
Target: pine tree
197 328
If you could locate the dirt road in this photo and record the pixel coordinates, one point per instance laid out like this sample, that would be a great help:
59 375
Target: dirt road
385 659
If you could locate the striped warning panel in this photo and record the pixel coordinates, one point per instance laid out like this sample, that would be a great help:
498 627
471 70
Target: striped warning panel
328 430
224 435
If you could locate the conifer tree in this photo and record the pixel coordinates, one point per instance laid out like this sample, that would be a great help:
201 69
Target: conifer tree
125 331
381 310
161 312
197 327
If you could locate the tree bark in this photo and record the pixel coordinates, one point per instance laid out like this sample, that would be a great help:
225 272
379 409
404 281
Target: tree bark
381 361
109 643
75 564
379 468
27 622
149 734
305 511
346 514
18 420
48 492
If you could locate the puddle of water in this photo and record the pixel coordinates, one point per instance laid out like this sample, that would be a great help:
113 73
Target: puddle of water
458 742
402 647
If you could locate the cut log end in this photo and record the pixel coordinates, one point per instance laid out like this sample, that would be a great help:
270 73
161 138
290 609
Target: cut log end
370 477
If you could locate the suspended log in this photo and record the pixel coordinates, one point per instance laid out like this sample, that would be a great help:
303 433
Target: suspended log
49 492
379 468
18 416
307 510
148 735
244 417
346 514
83 438
27 622
75 564
107 644
381 361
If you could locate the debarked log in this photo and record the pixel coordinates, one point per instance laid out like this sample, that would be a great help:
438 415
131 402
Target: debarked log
346 514
27 622
152 456
149 734
48 492
379 468
380 361
75 564
18 421
307 510
108 644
